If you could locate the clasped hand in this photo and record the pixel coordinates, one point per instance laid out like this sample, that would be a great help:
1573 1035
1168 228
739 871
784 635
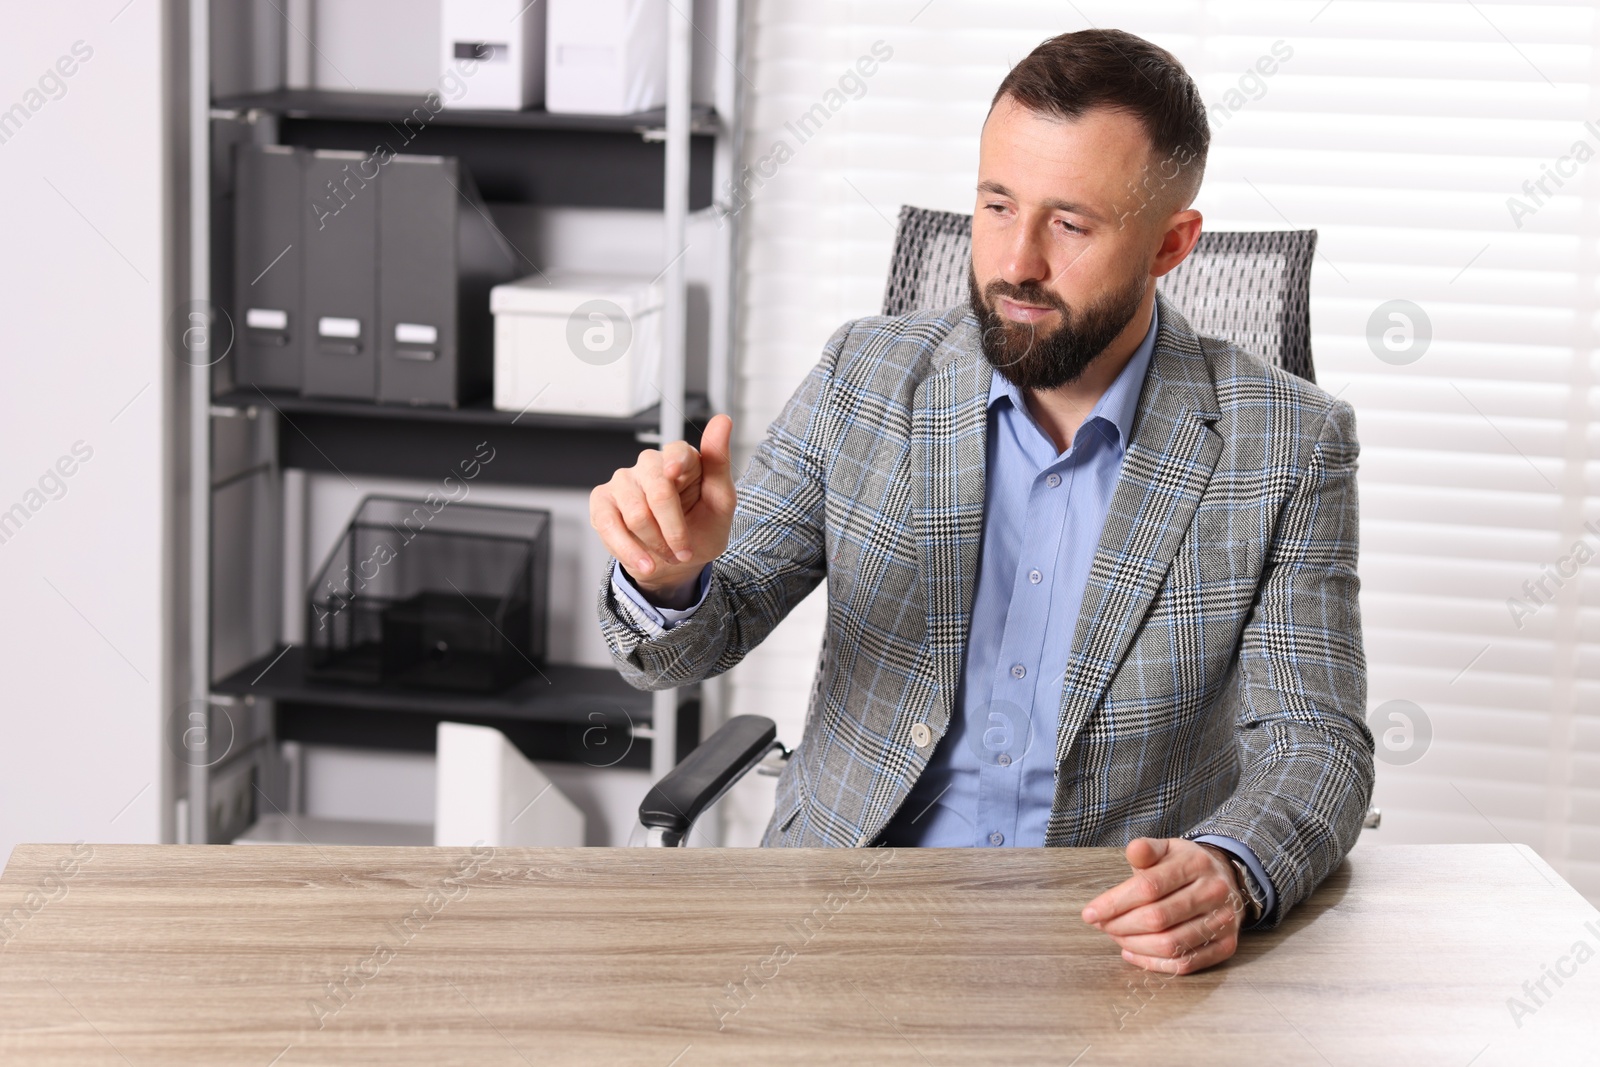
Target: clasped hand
1180 912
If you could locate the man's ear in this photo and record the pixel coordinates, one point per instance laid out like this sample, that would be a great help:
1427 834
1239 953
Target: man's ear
1182 230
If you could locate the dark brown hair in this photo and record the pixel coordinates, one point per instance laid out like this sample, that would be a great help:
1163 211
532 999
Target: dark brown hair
1074 73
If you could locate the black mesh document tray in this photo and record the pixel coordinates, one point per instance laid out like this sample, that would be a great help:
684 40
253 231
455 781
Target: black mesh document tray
431 595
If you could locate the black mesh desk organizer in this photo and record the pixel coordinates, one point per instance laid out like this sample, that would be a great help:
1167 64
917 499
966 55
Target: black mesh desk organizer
1249 287
432 595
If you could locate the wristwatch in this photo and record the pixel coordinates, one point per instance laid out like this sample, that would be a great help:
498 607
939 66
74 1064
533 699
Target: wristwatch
1255 900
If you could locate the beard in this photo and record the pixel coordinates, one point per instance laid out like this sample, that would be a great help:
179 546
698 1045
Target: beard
1031 359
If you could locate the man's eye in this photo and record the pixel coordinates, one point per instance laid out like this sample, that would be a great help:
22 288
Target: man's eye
1070 228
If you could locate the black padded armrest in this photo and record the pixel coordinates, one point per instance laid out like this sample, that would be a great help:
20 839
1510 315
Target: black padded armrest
683 795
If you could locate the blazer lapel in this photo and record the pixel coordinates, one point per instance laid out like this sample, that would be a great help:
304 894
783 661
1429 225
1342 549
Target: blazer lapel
949 453
1165 470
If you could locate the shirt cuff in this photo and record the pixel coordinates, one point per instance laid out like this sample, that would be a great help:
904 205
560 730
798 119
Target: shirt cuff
666 618
1253 865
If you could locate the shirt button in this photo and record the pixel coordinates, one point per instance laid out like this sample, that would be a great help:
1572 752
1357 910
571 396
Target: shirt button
1004 759
921 735
1019 671
997 838
1035 577
1053 480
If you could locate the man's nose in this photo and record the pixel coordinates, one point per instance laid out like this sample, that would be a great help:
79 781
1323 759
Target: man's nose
1025 260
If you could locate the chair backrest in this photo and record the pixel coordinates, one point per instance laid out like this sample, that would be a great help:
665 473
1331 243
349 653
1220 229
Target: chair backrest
1249 287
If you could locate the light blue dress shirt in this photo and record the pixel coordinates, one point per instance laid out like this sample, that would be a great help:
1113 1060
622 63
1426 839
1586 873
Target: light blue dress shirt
991 780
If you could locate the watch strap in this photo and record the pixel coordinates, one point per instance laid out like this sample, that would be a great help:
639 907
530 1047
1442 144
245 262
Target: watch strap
1255 900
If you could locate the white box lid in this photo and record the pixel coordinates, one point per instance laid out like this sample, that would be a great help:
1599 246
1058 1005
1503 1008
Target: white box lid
560 292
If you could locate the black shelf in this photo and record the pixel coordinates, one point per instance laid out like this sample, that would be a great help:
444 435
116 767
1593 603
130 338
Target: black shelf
521 157
338 105
480 411
571 714
559 693
531 448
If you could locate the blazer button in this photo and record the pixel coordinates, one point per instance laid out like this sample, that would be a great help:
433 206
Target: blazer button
921 736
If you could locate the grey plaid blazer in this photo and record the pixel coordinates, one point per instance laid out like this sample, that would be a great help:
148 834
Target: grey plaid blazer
1217 682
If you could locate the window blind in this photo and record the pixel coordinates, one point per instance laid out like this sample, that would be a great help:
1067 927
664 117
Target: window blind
1449 156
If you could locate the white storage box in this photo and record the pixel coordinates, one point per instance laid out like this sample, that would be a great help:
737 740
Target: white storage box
606 57
488 793
582 344
492 54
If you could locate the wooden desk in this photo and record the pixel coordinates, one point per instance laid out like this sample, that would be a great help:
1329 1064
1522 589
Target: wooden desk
285 956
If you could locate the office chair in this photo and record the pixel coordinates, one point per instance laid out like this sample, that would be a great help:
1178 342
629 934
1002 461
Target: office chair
1251 288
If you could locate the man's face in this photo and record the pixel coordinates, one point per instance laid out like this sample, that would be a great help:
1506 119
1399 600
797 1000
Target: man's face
1062 242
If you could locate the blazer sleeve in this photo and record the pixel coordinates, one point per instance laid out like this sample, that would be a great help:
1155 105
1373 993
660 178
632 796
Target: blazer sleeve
1301 686
775 555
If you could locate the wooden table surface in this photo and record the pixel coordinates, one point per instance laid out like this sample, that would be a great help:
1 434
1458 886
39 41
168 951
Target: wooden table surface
285 956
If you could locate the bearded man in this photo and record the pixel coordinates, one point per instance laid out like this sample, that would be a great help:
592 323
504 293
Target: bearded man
1091 576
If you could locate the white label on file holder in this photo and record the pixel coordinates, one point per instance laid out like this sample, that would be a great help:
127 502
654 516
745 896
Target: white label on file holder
266 319
329 326
411 333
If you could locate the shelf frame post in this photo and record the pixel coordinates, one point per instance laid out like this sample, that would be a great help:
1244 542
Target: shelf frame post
199 774
664 740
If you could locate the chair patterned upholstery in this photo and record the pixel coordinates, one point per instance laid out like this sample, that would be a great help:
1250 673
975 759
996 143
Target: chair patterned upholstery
1249 287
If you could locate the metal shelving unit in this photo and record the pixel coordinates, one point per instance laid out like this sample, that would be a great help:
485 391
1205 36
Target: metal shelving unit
252 448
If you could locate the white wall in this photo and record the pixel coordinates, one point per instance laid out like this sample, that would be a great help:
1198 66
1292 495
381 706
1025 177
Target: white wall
83 300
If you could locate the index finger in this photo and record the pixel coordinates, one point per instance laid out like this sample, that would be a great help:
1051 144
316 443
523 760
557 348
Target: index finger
1143 887
667 507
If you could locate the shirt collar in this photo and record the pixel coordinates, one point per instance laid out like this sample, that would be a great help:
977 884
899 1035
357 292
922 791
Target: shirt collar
1116 406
